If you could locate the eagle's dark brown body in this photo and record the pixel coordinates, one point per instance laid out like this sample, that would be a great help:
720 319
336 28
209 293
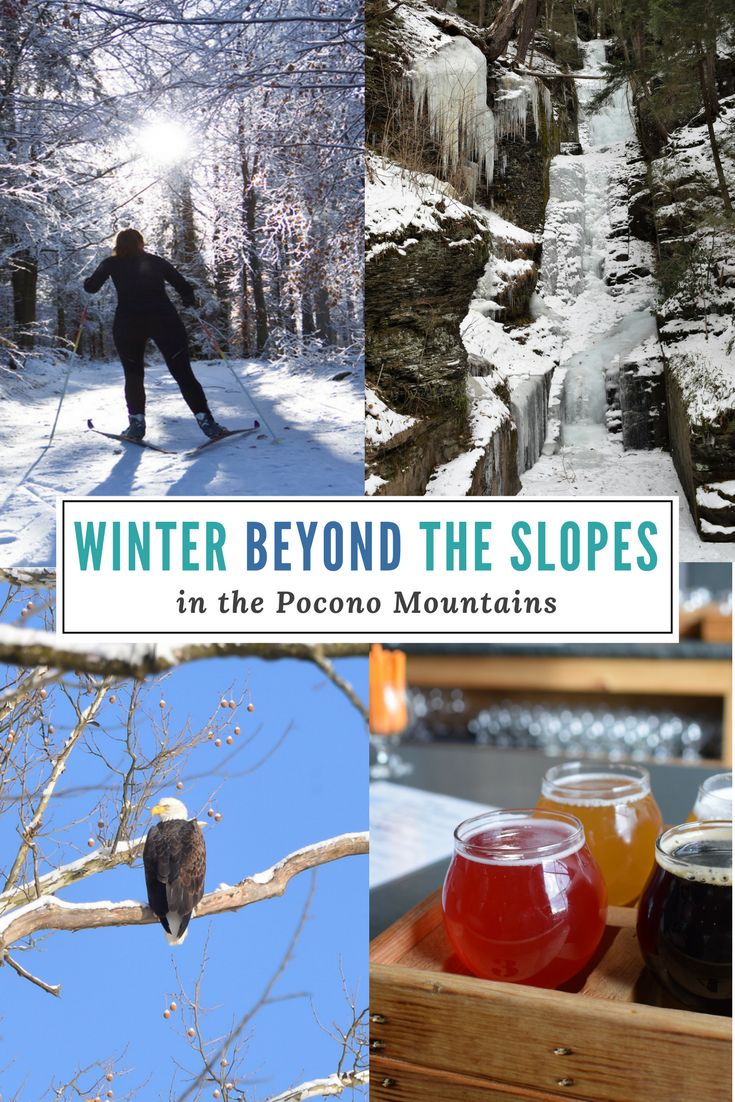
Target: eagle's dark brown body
174 858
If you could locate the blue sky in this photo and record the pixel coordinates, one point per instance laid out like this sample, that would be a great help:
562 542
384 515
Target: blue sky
117 982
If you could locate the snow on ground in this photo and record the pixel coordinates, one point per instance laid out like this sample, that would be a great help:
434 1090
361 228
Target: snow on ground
501 228
319 421
607 470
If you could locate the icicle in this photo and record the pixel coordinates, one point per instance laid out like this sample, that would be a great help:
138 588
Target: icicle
511 106
516 95
451 84
540 97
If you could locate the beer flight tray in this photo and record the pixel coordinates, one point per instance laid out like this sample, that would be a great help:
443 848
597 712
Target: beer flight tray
438 1033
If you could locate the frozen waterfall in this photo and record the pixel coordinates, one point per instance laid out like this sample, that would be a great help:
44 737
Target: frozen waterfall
600 330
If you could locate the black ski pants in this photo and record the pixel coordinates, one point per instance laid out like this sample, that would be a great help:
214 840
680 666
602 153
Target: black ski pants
131 333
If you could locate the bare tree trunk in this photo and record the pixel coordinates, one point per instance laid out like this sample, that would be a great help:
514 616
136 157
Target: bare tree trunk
324 328
502 27
527 28
307 315
710 56
245 337
709 114
250 199
252 257
25 280
223 272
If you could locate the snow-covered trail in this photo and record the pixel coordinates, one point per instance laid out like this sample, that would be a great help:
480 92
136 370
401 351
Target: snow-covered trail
319 421
607 470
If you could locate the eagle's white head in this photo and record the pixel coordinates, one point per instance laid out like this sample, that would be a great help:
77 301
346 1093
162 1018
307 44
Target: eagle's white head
168 807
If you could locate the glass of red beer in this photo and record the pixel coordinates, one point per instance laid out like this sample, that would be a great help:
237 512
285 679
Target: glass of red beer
685 915
524 900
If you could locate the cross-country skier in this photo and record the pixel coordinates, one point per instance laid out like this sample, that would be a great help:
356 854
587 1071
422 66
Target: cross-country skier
145 312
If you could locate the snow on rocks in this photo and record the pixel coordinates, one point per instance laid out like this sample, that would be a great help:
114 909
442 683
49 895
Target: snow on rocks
488 414
401 204
696 327
383 424
373 482
703 365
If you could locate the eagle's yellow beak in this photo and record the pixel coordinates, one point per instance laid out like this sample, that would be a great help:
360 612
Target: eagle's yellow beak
157 810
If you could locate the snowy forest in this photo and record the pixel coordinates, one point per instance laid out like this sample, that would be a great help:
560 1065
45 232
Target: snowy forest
550 185
230 135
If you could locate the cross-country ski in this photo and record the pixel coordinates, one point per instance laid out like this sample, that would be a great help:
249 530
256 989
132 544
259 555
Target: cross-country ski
123 438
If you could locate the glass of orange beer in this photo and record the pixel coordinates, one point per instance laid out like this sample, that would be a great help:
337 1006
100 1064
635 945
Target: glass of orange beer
620 817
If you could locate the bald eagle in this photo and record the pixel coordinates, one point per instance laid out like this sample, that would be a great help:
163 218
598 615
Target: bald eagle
174 858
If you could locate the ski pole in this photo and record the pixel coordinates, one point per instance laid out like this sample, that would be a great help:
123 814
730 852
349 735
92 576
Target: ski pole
218 349
47 445
74 350
82 323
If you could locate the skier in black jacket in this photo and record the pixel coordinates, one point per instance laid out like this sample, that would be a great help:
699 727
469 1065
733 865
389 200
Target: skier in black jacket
145 312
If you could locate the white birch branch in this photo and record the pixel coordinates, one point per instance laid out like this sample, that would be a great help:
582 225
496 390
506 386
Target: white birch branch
323 1088
50 913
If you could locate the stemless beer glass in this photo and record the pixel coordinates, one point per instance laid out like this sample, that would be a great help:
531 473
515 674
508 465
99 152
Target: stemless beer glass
620 817
685 915
524 900
714 799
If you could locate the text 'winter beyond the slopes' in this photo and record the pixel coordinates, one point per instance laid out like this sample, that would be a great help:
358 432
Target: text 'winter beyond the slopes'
369 568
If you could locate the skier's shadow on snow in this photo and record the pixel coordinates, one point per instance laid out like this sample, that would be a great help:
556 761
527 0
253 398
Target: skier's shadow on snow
120 480
239 461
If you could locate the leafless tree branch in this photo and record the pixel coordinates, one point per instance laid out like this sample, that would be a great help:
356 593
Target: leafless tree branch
50 913
32 828
30 648
29 577
328 1087
24 646
102 859
52 988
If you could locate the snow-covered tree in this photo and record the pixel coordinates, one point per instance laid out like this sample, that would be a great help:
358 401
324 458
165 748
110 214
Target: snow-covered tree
230 136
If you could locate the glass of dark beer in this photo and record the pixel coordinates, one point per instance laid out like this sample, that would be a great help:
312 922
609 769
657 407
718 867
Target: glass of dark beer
685 915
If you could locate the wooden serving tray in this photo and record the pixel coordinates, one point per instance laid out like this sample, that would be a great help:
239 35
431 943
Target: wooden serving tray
438 1033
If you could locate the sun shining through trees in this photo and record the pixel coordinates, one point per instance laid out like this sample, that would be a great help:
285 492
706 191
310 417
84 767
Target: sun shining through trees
163 142
234 147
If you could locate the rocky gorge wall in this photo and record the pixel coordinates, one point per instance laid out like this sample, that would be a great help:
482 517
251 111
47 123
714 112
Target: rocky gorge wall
697 279
423 269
